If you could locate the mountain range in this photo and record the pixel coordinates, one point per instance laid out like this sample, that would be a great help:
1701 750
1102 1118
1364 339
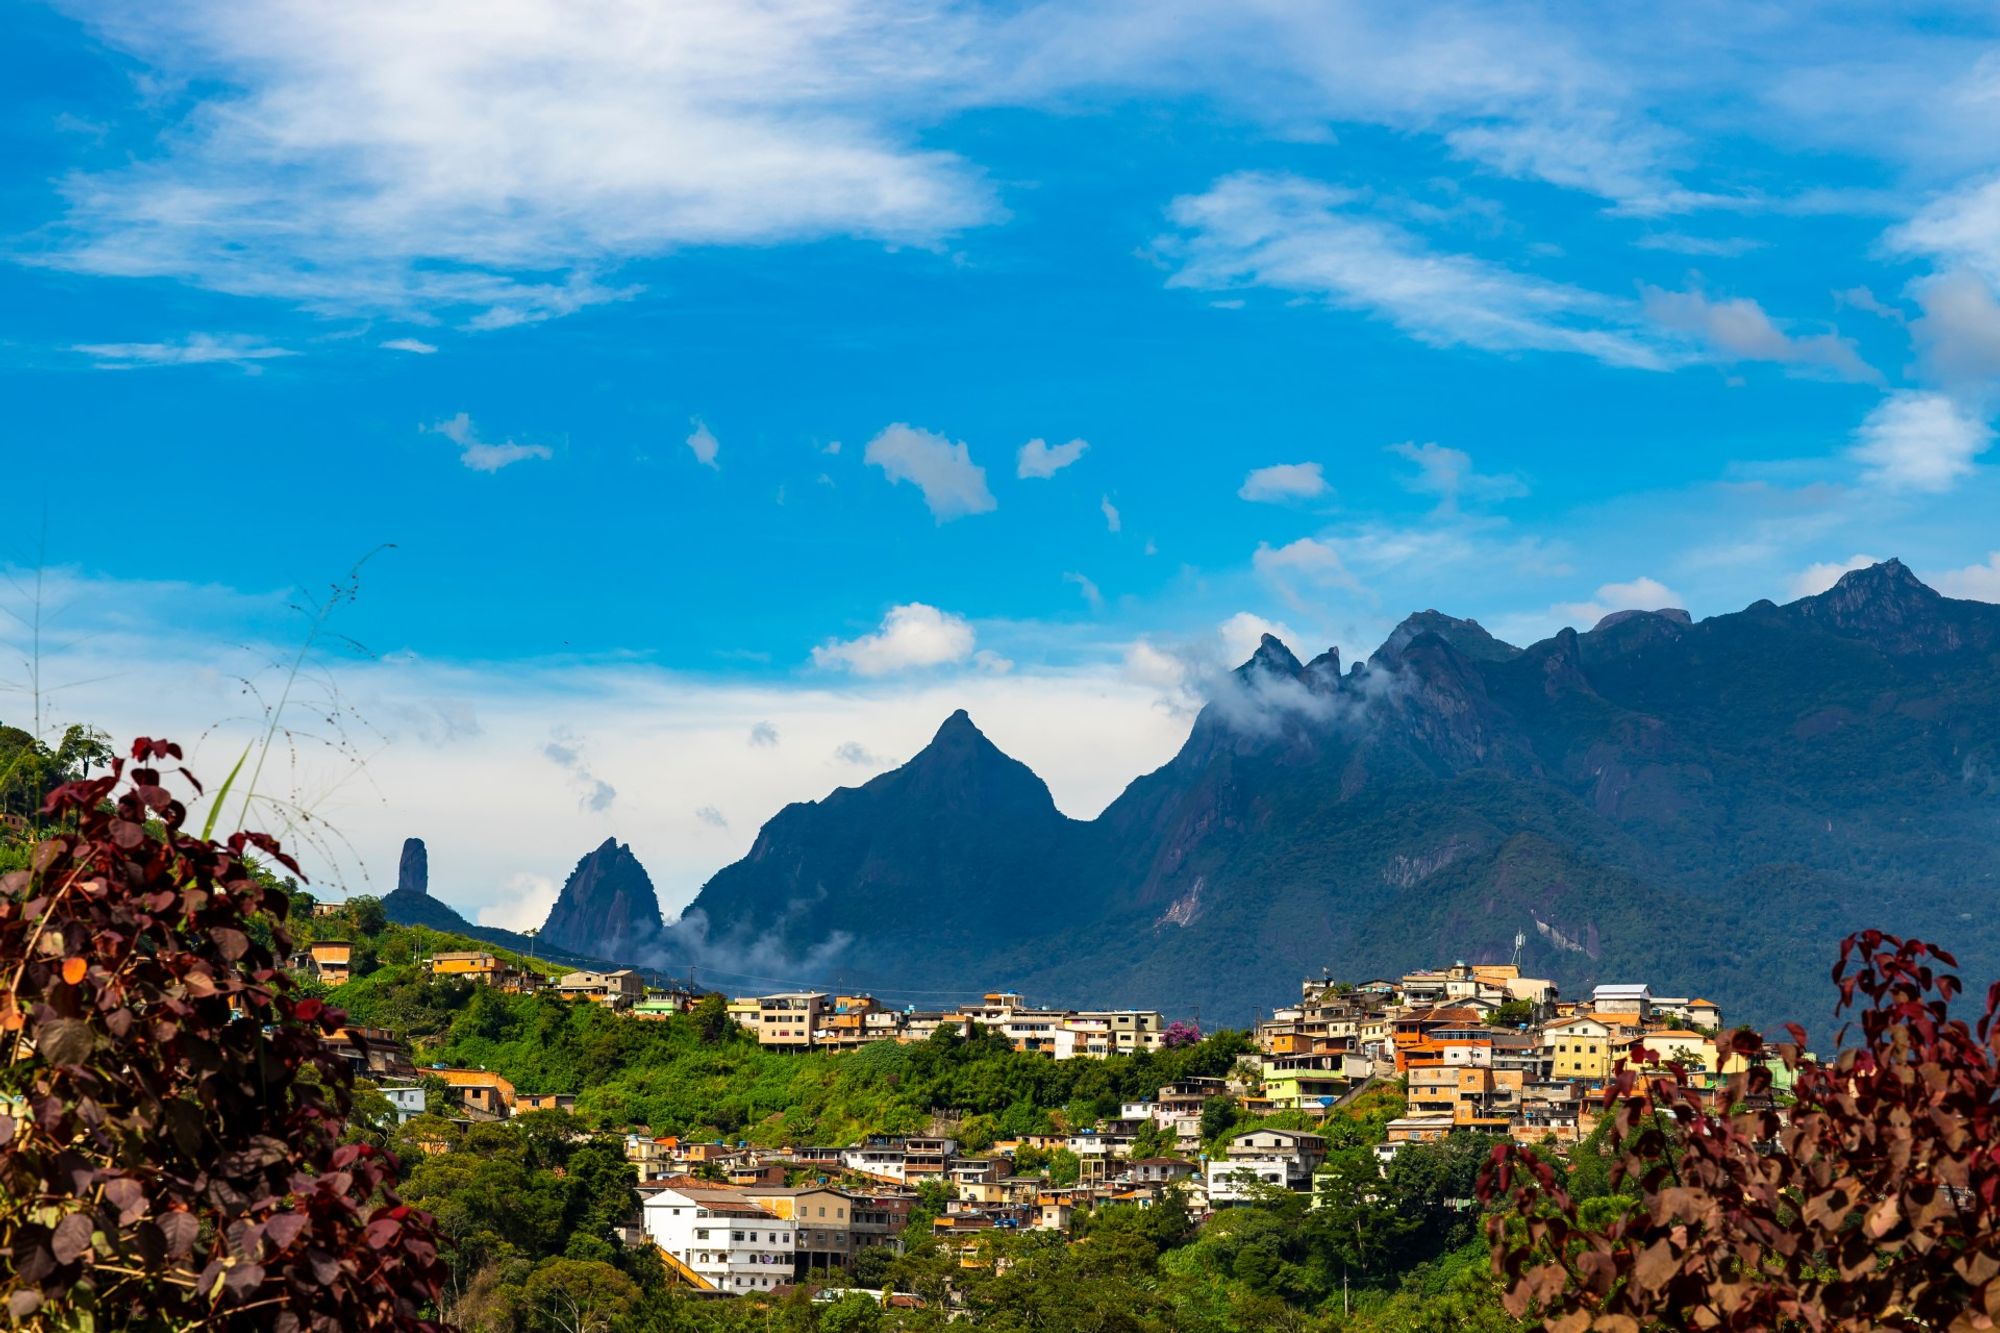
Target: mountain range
1703 806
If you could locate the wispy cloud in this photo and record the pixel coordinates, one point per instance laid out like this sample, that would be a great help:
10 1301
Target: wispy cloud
1112 522
763 736
1087 587
479 455
414 346
197 349
1259 229
565 751
378 157
1919 441
953 485
1448 474
1284 481
701 442
1038 458
1738 329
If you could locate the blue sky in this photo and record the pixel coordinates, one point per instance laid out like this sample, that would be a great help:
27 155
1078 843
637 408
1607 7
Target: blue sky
687 356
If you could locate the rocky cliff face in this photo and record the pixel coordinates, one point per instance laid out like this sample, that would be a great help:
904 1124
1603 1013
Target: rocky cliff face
413 874
1706 804
607 908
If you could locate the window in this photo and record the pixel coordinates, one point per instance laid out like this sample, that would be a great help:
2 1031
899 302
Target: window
701 1233
736 1235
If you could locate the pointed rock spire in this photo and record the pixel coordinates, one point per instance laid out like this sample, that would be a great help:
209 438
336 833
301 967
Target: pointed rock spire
607 907
413 873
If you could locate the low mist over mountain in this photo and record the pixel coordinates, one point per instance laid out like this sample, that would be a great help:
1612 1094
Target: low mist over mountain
1704 806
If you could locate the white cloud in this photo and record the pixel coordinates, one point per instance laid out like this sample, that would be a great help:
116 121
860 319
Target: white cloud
952 484
1962 228
1301 236
763 736
1641 594
1284 481
1088 588
565 751
704 446
1448 474
1960 328
1918 441
911 636
1739 330
668 743
712 817
479 455
1038 458
374 156
1817 578
854 752
1243 632
1977 583
1307 558
523 905
414 346
1112 522
197 349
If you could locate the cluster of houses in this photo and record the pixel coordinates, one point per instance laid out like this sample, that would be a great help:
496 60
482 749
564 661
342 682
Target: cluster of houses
1476 1047
1480 1048
817 1021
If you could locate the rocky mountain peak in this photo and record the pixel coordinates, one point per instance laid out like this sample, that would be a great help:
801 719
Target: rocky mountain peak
1468 637
1272 656
607 907
1888 605
1672 614
413 873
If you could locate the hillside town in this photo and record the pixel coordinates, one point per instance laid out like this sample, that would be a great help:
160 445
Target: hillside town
1471 1048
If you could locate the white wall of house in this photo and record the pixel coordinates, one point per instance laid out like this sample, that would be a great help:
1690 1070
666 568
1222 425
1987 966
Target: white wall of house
734 1252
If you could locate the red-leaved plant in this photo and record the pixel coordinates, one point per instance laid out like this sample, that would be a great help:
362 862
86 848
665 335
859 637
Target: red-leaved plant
1871 1202
170 1121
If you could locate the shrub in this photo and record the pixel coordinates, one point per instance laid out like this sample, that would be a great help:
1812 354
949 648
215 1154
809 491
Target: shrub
171 1150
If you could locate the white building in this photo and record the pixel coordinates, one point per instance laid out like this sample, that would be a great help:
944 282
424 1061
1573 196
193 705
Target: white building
1283 1158
878 1156
407 1098
721 1238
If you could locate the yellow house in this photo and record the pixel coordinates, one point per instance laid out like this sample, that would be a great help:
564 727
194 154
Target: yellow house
479 1090
472 965
330 960
1581 1047
1677 1046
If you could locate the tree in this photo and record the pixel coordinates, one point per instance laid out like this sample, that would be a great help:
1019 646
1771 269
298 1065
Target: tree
1512 1014
367 915
1179 1035
711 1019
1218 1117
577 1295
1875 1203
1152 1139
180 1159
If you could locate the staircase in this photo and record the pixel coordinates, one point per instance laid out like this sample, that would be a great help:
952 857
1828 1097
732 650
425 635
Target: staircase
682 1271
